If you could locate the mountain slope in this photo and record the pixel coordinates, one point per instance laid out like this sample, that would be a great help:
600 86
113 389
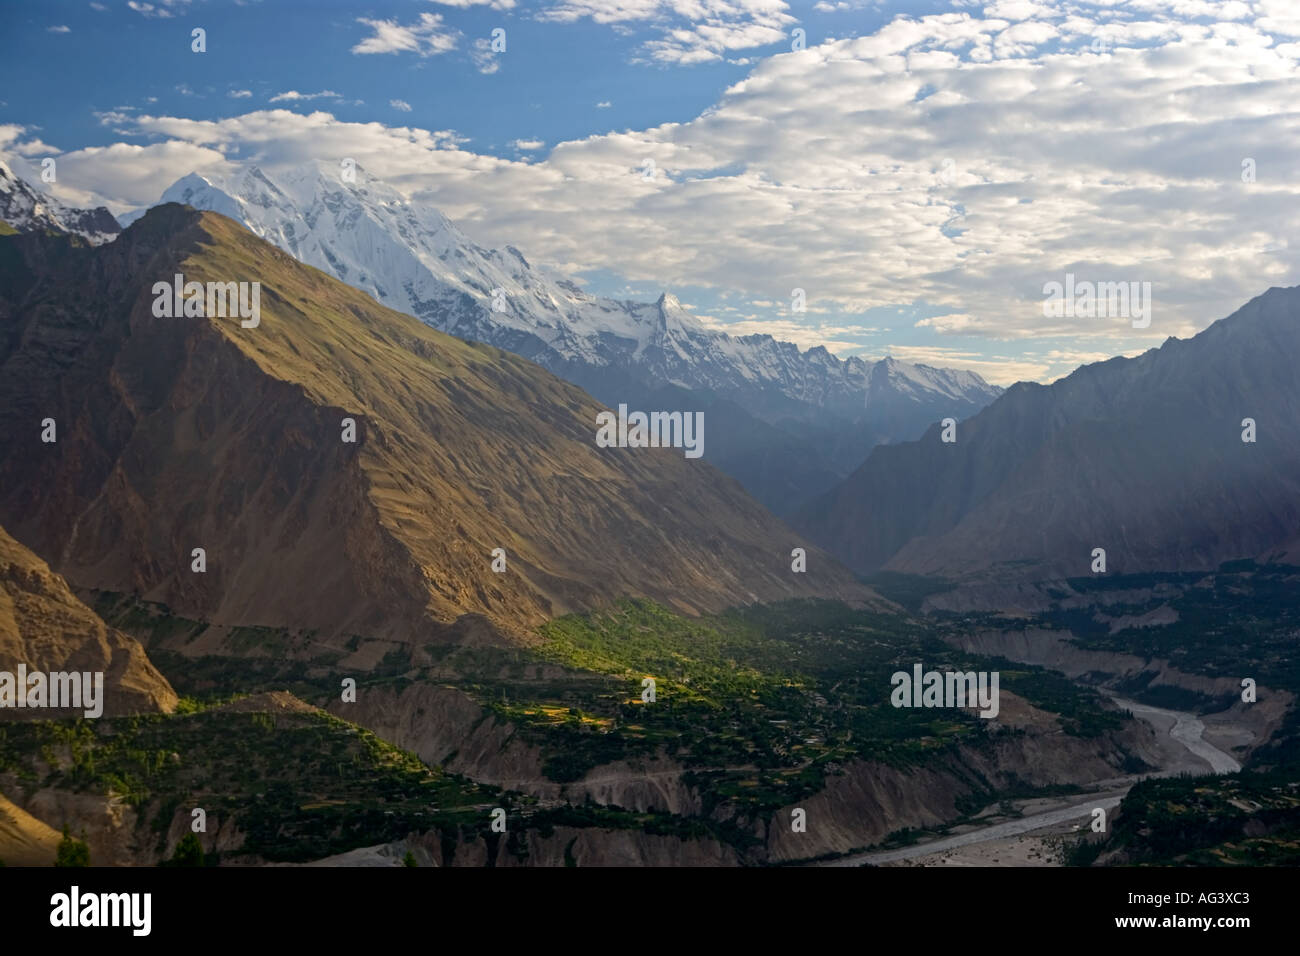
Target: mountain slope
26 208
411 258
25 840
182 433
43 625
1142 457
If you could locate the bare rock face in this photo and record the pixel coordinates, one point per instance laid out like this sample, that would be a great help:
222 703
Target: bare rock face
195 432
1142 457
44 626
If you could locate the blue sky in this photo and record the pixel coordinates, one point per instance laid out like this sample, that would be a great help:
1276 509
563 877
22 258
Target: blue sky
547 88
921 170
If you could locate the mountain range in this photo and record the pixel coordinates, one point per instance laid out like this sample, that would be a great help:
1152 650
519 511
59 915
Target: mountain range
1143 457
195 432
26 208
788 423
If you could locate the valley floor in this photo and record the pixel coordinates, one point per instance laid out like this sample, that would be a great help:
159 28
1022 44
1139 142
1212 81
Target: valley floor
1034 837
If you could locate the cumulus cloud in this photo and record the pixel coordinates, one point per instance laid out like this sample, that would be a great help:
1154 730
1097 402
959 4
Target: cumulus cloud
427 36
148 9
525 145
952 161
19 141
483 57
400 105
689 31
239 94
292 96
465 4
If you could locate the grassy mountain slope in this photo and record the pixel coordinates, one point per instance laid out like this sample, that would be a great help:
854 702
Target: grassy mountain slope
178 433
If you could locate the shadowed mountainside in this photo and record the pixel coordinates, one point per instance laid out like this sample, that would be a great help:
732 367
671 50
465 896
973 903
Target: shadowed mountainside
1143 457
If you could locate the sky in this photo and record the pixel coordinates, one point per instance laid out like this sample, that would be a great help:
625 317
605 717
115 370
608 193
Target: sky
921 171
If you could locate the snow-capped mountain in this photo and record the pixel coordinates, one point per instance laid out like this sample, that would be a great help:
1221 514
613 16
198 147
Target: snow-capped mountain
26 208
411 258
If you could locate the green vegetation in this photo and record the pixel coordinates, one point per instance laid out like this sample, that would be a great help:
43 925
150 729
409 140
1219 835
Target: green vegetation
300 785
758 705
1075 706
1246 819
189 852
1240 621
71 851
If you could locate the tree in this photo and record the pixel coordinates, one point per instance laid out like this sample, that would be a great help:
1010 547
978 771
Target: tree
72 852
189 852
409 859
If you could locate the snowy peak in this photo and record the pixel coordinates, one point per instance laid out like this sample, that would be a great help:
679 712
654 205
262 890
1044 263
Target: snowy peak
28 209
407 255
194 190
890 374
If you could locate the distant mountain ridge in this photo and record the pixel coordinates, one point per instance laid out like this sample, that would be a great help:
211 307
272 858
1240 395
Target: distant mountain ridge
408 256
1141 457
26 208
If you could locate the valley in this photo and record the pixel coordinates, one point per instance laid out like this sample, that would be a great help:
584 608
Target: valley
352 674
1051 821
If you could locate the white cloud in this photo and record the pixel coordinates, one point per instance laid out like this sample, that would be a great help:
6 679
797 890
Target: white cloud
930 163
484 58
526 145
239 94
689 31
15 139
148 9
401 105
465 4
604 105
428 36
98 6
291 96
59 29
952 322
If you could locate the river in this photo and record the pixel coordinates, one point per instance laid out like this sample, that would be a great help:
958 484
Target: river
1184 728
